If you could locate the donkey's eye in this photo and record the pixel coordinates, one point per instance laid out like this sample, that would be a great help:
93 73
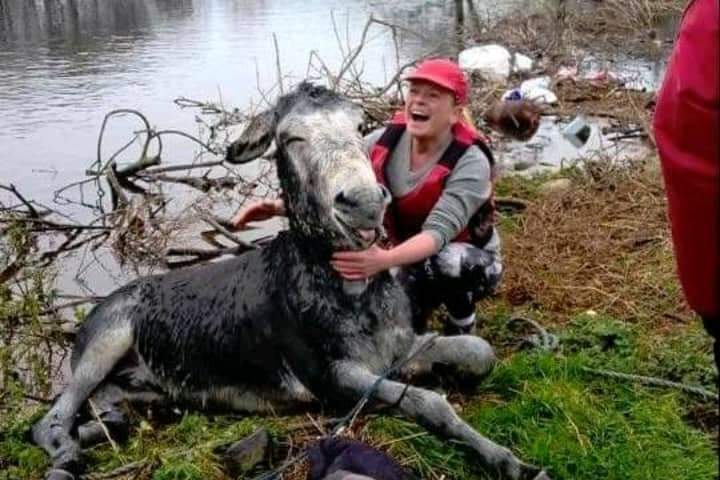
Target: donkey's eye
291 140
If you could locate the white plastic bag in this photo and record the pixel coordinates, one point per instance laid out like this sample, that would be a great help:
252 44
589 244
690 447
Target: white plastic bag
493 62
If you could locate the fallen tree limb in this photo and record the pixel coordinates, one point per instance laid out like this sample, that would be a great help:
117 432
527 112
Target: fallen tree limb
653 381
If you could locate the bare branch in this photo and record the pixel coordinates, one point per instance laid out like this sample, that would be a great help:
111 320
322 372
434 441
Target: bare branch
216 223
277 65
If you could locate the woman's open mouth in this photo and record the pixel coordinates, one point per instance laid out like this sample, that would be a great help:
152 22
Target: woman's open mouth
419 117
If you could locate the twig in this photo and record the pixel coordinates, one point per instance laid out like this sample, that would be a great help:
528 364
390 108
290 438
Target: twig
35 398
347 63
207 218
277 65
118 195
202 184
188 136
401 439
175 168
43 225
74 303
33 212
198 255
142 164
118 472
317 425
102 425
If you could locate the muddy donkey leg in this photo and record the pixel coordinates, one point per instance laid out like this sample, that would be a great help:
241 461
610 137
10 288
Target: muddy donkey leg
129 384
434 412
52 433
468 354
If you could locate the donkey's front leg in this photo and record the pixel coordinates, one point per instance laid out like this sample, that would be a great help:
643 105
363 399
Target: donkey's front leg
434 412
468 354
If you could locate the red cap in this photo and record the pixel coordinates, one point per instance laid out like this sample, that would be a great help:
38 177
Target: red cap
444 73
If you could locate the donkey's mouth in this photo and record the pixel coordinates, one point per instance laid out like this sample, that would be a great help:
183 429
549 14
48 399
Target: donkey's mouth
359 238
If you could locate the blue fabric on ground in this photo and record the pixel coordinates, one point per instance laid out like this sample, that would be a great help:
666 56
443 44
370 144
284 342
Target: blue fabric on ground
332 454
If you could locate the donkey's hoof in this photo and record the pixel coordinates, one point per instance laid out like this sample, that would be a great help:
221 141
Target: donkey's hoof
542 476
59 474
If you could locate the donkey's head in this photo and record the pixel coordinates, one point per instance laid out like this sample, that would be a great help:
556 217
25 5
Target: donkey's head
328 184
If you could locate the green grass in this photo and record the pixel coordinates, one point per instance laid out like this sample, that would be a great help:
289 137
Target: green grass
186 450
582 427
19 459
576 425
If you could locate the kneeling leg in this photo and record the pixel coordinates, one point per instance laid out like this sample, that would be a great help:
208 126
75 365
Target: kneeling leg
468 355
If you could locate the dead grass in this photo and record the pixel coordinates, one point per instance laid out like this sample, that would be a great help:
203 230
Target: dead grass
625 17
603 245
609 100
555 31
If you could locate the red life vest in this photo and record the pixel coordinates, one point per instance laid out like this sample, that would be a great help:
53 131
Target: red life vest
407 214
686 125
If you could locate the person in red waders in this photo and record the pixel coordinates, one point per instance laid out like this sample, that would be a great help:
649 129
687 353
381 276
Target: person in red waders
439 171
687 133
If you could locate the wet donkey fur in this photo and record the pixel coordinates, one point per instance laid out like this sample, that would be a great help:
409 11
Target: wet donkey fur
272 327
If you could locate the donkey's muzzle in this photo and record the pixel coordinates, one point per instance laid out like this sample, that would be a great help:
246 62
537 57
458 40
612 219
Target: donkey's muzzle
362 206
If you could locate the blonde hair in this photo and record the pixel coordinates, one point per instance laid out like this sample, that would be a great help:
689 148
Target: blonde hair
466 117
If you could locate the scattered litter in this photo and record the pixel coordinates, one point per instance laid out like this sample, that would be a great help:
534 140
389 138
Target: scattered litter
540 95
522 63
535 89
577 132
538 89
513 94
542 82
567 73
490 61
599 78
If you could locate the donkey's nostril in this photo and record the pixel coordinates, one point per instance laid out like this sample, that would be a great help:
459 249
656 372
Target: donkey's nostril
229 154
342 200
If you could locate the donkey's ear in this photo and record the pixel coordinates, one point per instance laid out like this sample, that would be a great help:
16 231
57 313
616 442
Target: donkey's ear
255 139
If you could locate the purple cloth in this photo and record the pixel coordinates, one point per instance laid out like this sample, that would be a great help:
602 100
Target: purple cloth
333 454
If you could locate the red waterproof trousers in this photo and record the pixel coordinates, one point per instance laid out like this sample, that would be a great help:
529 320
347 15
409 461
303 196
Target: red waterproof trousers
687 133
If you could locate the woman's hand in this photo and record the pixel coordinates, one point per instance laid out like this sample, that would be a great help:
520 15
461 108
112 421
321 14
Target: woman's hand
257 212
361 264
516 118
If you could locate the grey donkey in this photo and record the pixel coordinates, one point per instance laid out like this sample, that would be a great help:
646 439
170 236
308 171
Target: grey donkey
276 327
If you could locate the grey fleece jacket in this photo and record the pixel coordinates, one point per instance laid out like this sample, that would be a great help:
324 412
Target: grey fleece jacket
468 186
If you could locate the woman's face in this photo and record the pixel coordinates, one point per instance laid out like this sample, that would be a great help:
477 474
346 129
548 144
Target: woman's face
430 110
